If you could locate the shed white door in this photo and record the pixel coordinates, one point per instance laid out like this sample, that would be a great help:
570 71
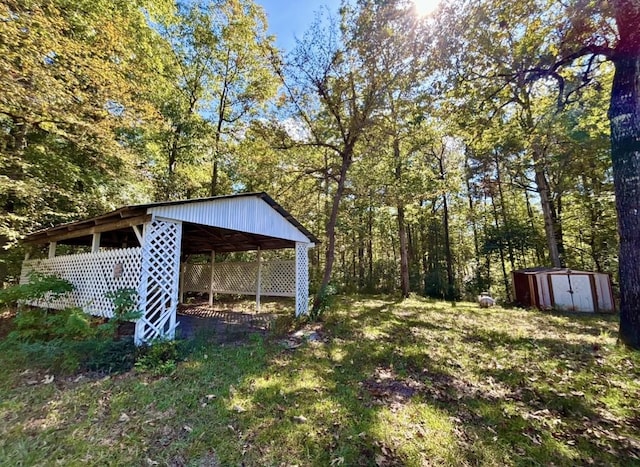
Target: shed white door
572 292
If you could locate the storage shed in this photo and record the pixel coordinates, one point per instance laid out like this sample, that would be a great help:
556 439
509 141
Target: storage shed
144 247
565 289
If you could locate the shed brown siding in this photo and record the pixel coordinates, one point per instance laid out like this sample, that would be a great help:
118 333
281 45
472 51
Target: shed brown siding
524 293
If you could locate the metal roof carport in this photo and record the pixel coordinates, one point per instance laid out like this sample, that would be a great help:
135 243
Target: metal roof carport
142 245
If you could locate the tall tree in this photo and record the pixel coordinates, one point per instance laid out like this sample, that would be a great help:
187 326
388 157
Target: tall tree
578 35
74 76
348 69
222 76
624 115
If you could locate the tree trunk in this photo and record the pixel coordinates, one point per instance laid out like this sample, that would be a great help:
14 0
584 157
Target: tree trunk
624 115
503 212
532 224
404 252
424 245
447 241
505 277
169 190
361 280
558 225
222 109
487 257
548 210
331 231
17 136
472 216
370 282
447 251
402 228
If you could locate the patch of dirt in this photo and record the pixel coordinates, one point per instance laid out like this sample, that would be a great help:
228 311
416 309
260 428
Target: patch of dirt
210 459
6 323
387 388
312 333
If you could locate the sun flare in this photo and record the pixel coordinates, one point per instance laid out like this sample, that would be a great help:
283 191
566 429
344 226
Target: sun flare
425 7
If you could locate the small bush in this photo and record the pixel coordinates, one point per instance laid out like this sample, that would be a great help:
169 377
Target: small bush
326 299
36 324
69 340
68 357
125 308
107 356
159 358
41 287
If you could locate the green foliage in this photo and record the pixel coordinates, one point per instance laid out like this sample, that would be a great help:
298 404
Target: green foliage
36 324
106 355
67 341
40 287
325 299
60 356
125 308
70 340
159 358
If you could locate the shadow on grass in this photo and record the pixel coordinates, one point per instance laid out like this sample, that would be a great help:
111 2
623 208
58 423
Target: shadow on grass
521 419
424 390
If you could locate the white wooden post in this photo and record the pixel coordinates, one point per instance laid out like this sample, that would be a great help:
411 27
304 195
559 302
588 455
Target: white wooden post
95 243
183 269
52 250
302 278
213 262
258 281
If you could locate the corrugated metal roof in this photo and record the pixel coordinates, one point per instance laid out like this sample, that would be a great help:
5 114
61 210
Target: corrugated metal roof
135 211
553 270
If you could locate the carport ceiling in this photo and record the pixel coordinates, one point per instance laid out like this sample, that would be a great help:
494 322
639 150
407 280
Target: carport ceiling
196 239
200 239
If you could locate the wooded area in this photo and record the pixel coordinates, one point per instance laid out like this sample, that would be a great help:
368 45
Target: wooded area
431 154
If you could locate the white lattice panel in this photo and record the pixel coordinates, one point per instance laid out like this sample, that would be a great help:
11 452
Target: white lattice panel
277 278
302 278
196 277
235 278
159 280
92 275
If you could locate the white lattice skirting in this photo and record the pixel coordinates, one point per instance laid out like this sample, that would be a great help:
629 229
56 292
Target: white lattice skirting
277 278
92 275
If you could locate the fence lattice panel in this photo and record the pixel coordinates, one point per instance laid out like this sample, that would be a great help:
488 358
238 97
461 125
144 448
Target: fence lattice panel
277 278
235 278
92 275
159 280
196 277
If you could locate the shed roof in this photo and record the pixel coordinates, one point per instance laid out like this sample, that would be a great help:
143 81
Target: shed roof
237 222
544 269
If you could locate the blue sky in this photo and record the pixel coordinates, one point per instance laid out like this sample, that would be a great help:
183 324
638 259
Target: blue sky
291 18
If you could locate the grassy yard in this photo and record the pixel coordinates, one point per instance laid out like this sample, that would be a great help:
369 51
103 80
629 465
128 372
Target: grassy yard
414 382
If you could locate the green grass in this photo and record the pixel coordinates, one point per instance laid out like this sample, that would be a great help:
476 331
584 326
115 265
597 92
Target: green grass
413 383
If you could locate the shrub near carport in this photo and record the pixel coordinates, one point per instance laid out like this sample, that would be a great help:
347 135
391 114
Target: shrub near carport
64 341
